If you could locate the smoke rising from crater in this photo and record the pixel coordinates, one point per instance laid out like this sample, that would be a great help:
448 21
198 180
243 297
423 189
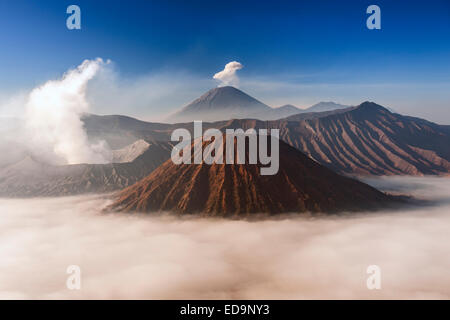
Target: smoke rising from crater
52 117
228 76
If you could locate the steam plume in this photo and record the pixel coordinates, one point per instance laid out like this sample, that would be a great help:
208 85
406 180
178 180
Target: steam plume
52 117
228 76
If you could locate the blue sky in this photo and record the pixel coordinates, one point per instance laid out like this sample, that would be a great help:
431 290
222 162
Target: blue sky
296 52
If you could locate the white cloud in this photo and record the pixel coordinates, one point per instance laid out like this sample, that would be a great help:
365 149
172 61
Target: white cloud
228 76
151 257
45 121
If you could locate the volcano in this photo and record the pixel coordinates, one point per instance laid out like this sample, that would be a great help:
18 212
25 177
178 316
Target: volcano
228 102
301 185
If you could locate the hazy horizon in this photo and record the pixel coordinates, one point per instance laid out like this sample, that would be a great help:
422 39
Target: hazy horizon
154 71
155 96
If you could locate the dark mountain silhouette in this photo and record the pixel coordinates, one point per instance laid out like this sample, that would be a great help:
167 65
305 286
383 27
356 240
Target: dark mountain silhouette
301 185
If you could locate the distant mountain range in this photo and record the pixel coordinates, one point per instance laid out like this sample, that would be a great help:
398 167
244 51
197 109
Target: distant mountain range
364 140
301 185
325 106
229 103
316 115
226 103
367 139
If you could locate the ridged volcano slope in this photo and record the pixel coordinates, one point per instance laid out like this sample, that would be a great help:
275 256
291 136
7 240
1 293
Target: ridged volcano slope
301 185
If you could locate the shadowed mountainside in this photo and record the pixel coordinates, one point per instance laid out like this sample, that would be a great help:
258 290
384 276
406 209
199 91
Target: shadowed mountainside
31 178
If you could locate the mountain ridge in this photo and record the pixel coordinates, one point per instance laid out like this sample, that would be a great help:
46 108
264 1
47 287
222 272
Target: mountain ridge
367 139
301 185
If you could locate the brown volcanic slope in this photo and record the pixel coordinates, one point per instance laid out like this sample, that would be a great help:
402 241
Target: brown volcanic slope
300 185
371 140
367 139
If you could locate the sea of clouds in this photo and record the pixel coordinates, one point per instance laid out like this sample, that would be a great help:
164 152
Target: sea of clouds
159 257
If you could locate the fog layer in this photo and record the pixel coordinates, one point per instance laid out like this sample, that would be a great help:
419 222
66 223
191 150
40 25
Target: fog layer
125 256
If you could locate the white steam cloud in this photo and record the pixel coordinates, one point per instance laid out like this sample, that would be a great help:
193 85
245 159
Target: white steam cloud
53 117
132 256
228 76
